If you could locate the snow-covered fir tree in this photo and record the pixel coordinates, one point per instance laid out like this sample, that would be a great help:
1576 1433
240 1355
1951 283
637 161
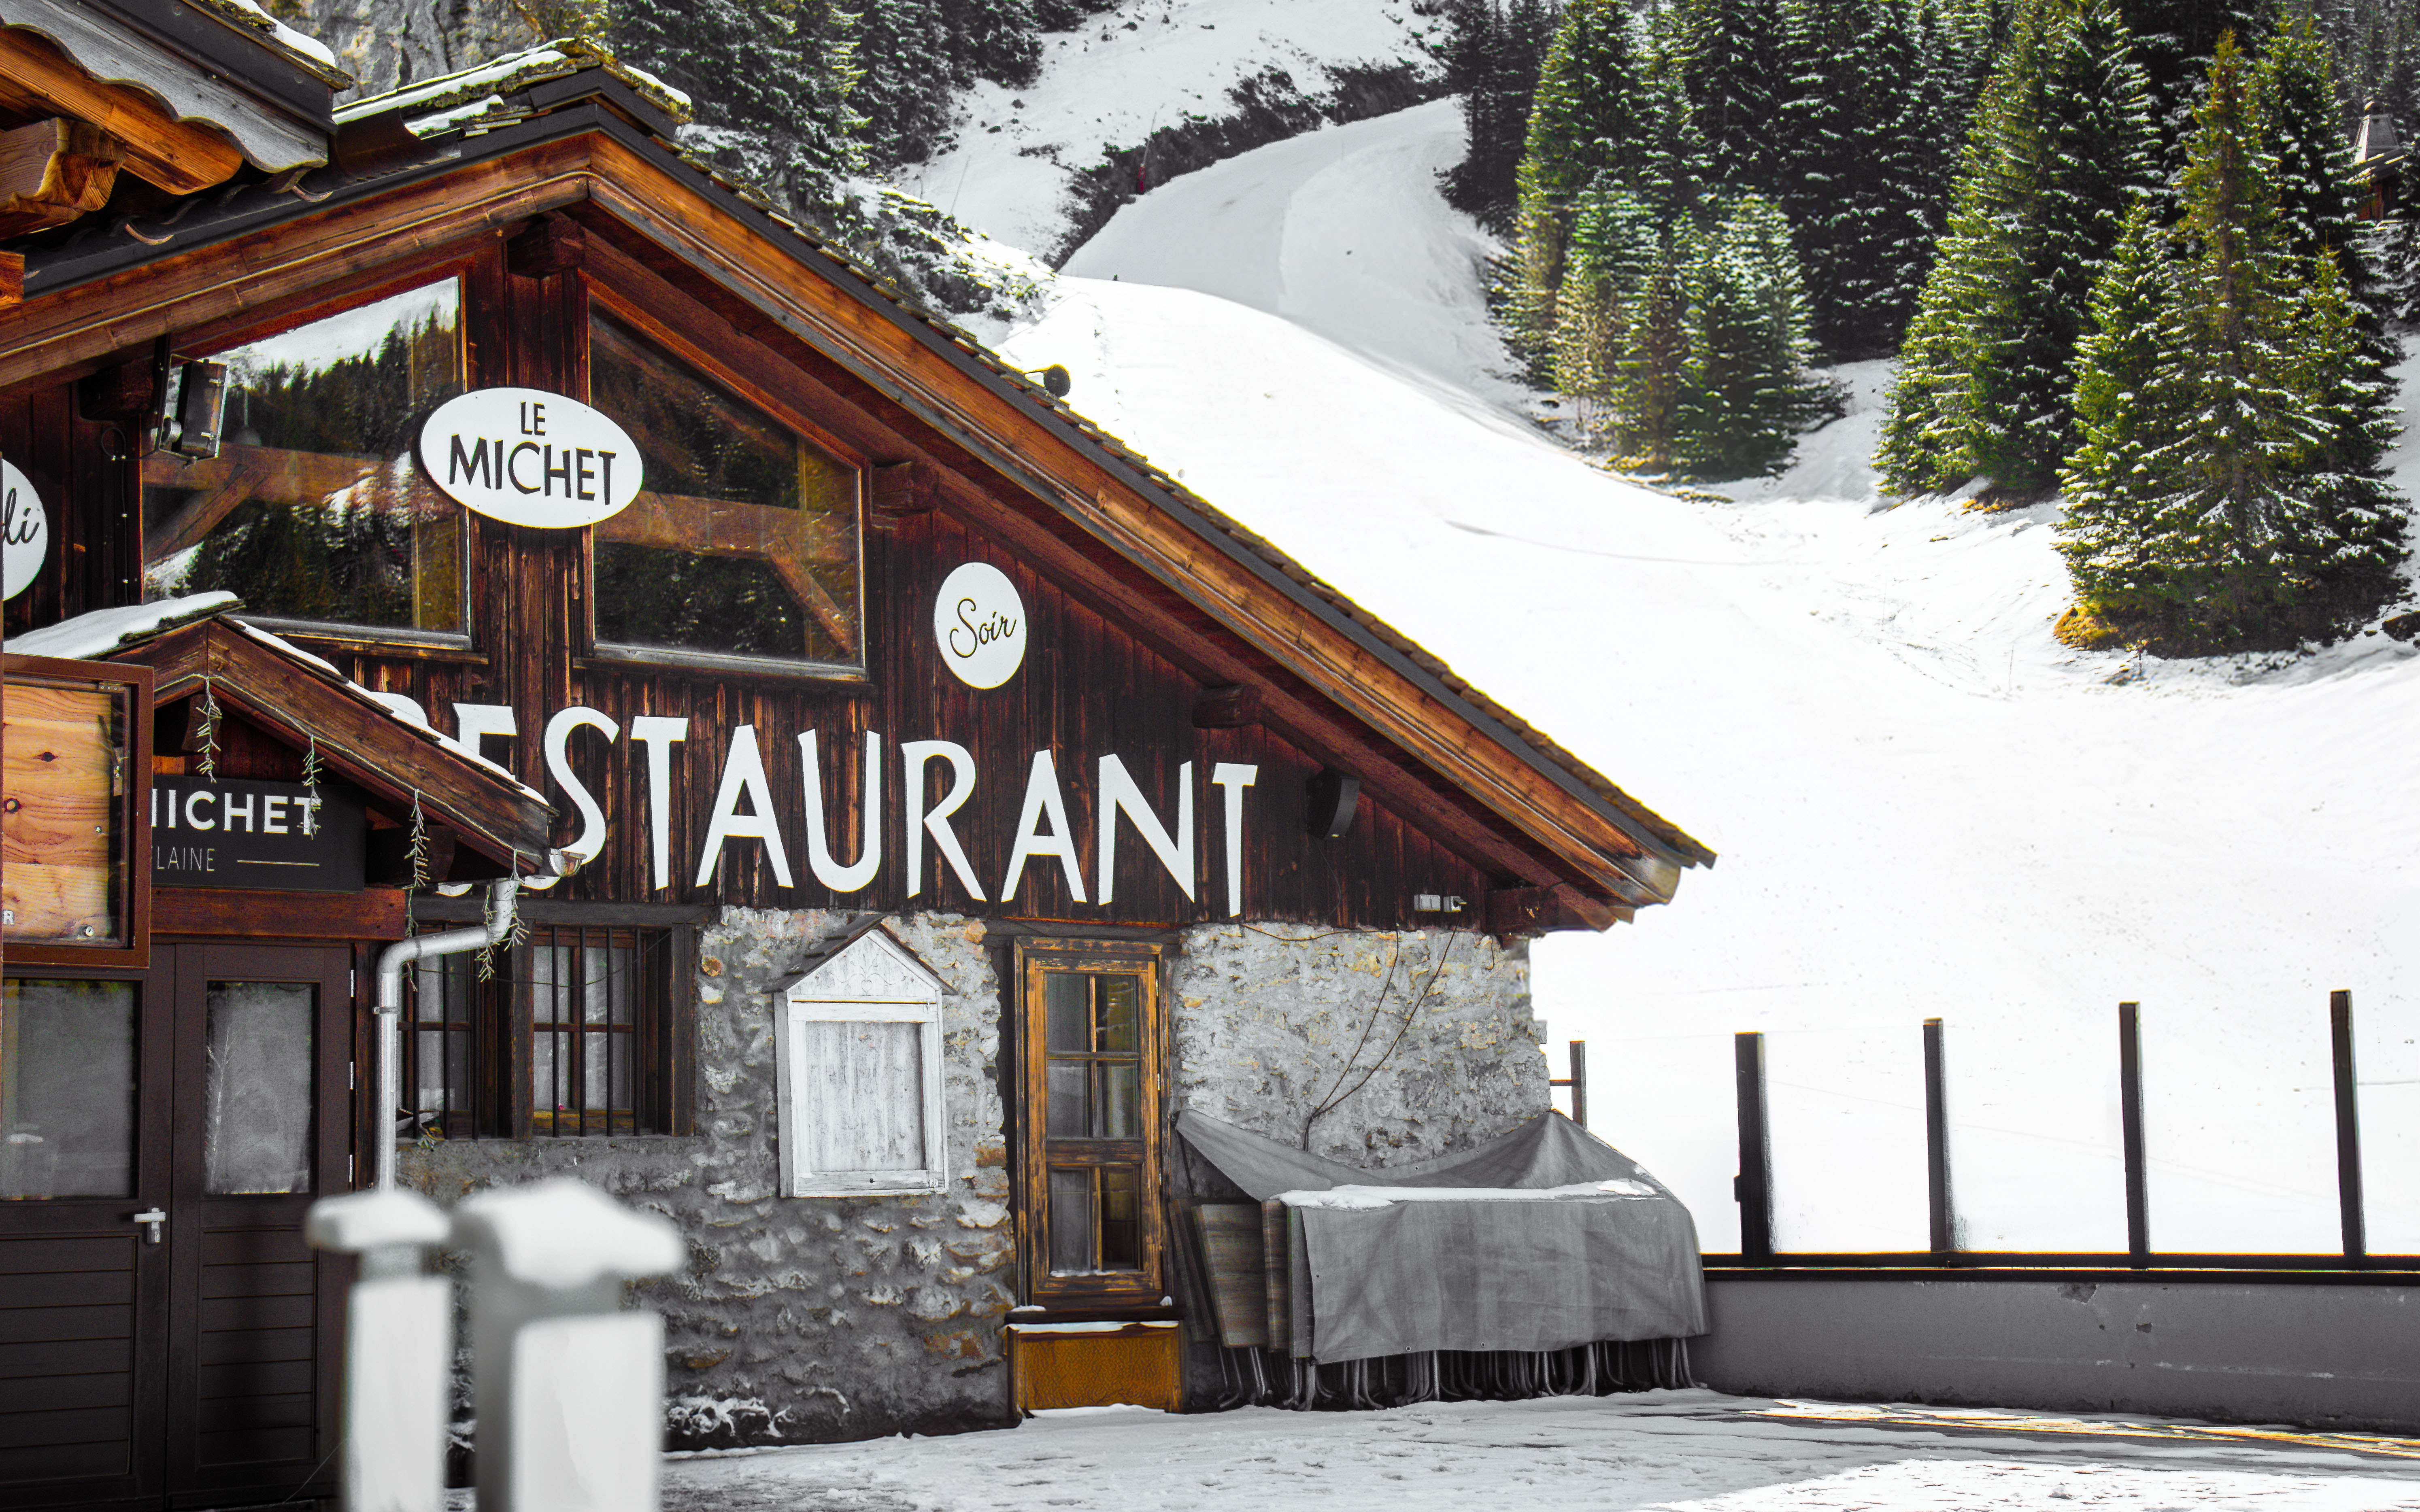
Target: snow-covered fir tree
1492 54
2253 512
1744 393
2062 141
772 81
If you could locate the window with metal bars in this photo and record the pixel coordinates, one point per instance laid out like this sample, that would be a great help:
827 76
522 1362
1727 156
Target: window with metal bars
570 1034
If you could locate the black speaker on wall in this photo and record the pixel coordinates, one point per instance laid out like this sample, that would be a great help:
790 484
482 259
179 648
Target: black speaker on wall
1333 798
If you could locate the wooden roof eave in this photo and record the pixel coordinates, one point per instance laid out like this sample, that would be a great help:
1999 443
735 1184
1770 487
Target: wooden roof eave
587 152
360 741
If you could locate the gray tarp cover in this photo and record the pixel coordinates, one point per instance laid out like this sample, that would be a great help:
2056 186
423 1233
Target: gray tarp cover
1493 1275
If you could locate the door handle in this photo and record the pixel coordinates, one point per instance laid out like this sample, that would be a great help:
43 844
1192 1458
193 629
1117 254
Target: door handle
152 1220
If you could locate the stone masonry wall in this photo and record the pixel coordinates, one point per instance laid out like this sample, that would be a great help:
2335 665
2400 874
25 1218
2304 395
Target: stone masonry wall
1273 1020
804 1319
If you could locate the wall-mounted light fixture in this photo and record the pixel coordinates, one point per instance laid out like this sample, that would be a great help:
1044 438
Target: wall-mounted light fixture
1333 798
200 410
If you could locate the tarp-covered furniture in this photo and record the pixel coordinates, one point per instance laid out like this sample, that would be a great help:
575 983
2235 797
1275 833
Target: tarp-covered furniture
1544 1239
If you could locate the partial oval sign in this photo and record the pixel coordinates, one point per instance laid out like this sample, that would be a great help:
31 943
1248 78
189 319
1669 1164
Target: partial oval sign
979 624
24 532
529 457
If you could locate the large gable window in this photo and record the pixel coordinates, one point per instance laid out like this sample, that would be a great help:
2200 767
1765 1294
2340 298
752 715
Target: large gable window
314 512
744 543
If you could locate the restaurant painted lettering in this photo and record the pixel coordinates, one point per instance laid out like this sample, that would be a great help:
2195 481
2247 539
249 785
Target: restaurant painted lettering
751 813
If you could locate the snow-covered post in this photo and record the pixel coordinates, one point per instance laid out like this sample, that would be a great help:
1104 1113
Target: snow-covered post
398 1336
569 1388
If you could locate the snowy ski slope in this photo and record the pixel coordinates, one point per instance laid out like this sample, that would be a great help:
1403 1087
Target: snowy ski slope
1925 806
1140 65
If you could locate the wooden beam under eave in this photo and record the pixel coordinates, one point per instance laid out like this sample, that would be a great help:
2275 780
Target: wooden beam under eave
53 172
181 157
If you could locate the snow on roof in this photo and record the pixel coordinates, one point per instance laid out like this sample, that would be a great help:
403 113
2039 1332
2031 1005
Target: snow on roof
106 630
380 702
250 17
435 105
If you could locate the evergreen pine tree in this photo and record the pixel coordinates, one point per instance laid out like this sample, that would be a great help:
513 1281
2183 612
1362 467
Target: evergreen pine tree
2122 409
904 94
774 75
1491 58
1615 243
1649 378
1733 69
2272 525
996 39
2061 143
1746 391
1585 121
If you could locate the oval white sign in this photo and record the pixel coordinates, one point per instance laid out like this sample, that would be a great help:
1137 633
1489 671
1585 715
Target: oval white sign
24 532
529 457
979 623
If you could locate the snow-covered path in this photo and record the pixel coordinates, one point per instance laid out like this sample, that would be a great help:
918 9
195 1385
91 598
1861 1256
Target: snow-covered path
1926 806
1692 1449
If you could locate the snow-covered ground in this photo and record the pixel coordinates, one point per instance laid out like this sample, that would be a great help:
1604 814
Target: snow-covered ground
1686 1451
1141 64
1926 806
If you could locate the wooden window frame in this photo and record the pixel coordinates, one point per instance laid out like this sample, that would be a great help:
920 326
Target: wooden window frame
802 1004
676 341
1144 1285
502 1029
470 268
132 805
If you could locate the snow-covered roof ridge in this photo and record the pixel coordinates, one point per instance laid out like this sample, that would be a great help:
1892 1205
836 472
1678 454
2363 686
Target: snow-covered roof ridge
314 55
437 104
90 637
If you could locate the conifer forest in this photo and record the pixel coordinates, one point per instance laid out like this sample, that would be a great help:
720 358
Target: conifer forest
2121 250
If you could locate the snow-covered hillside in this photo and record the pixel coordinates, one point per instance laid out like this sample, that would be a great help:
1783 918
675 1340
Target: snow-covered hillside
1926 806
1142 65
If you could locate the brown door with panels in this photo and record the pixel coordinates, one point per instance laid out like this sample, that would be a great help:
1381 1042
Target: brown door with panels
166 1338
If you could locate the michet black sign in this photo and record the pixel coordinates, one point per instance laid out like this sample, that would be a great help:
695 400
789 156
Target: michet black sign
280 836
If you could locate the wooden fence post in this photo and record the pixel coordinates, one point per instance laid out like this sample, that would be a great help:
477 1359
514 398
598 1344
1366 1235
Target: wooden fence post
2348 1189
1754 1184
2130 1114
1943 1224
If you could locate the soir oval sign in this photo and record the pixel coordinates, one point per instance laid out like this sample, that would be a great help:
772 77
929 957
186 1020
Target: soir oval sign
979 624
529 457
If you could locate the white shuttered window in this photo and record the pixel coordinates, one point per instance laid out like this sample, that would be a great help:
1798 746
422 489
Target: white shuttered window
859 1057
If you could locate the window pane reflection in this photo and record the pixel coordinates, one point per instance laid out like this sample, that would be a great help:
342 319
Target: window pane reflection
314 509
744 542
67 1088
256 1115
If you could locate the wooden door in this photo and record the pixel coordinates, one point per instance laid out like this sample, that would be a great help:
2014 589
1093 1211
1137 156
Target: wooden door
84 1093
263 1043
197 1369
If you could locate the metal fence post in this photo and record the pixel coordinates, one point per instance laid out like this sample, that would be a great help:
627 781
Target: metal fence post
569 1388
399 1340
2348 1189
1754 1184
2130 1114
1936 1144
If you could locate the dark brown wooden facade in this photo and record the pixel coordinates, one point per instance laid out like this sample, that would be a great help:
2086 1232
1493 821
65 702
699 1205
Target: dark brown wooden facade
1214 673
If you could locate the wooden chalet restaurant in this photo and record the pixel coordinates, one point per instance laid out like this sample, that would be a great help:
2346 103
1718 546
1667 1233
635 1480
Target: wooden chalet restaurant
921 803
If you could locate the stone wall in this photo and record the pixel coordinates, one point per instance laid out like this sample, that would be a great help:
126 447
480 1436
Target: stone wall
805 1320
1272 1022
827 1318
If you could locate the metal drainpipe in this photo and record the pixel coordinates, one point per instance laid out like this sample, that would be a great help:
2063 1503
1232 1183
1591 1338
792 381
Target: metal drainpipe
501 893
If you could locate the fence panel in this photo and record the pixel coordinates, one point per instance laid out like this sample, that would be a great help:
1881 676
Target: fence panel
2034 1141
1846 1110
2240 1129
